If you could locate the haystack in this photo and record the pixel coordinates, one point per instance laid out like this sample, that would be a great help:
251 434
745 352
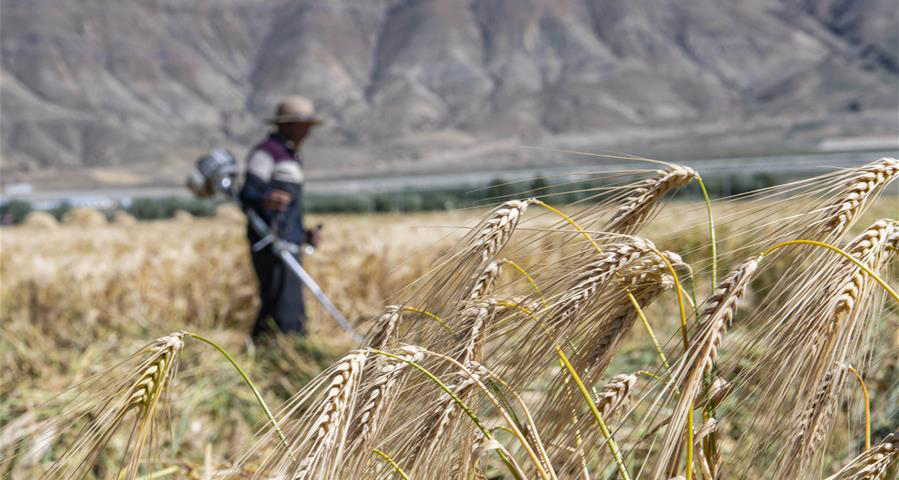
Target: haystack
182 216
42 220
229 212
84 217
124 218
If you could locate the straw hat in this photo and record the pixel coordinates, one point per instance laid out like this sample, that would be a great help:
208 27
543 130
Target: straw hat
295 109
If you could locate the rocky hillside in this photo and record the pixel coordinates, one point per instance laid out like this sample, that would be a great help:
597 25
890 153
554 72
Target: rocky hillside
141 86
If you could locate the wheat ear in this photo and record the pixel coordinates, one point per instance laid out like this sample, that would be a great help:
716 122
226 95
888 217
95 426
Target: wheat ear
812 423
836 326
715 318
330 425
476 319
379 395
385 328
142 396
636 208
614 394
496 229
646 278
880 462
484 282
851 200
596 274
874 237
149 388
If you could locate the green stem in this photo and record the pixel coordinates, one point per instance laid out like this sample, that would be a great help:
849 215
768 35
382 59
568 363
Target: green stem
246 380
429 315
708 206
861 382
569 220
680 298
161 473
528 277
613 447
652 335
392 464
690 443
695 304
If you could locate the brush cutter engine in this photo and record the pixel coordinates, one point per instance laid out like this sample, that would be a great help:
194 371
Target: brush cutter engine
214 173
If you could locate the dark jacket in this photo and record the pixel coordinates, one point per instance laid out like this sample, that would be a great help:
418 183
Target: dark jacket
272 165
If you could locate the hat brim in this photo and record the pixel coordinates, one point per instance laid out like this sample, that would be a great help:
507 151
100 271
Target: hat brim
294 119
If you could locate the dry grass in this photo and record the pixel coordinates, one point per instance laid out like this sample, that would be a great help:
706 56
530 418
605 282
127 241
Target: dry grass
460 376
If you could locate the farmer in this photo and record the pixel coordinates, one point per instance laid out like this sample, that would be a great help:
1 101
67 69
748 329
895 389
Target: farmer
273 188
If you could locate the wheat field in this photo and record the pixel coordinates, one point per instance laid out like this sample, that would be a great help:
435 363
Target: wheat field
612 338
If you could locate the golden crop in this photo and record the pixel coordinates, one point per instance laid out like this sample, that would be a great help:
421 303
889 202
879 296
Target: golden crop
526 341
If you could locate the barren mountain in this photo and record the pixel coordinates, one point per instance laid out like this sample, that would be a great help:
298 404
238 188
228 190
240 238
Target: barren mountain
143 86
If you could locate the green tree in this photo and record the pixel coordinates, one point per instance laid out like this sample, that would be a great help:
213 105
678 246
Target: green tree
15 210
498 189
539 187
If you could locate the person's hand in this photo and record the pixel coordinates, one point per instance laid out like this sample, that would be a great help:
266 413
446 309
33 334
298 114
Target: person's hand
314 236
278 200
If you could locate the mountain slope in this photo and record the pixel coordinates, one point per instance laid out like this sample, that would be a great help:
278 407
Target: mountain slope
145 85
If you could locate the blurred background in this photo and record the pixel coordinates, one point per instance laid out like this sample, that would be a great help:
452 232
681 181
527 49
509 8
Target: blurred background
432 109
107 104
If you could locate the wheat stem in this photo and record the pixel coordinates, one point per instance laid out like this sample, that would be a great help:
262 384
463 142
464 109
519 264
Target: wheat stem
567 219
680 296
840 251
516 307
610 441
161 473
429 315
708 206
861 383
392 463
528 276
246 380
689 473
648 374
652 335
